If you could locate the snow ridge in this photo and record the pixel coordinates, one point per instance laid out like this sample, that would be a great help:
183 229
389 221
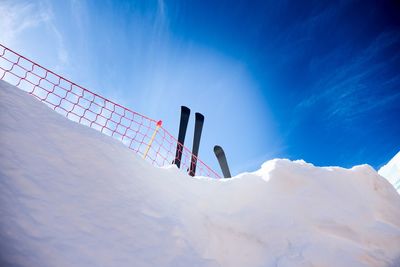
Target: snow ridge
391 171
71 196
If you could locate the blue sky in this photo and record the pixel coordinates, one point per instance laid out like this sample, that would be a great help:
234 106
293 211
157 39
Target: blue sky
312 80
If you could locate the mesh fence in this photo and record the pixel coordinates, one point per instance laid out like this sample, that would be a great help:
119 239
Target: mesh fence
143 135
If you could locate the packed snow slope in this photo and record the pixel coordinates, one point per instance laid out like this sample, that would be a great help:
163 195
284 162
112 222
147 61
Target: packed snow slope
70 196
391 171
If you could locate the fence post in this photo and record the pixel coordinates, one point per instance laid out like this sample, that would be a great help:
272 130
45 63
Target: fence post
159 123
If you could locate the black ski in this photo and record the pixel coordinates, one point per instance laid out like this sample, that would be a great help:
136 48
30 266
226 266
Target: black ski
220 154
198 128
185 113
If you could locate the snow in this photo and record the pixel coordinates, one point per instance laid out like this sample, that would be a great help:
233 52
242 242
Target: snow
70 196
391 171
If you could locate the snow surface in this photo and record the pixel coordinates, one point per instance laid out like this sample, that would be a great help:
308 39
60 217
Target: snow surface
391 171
70 196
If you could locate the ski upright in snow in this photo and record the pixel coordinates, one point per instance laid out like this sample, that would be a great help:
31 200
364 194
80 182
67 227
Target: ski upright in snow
185 113
220 154
198 128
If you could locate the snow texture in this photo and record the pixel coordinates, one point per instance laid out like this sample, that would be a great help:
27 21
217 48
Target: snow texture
391 171
70 196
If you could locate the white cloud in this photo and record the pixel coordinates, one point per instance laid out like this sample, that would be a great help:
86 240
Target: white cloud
19 19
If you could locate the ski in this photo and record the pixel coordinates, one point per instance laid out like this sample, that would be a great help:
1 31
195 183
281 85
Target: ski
198 127
185 113
220 154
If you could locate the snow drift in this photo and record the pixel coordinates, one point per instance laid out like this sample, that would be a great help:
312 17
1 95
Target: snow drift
391 171
70 196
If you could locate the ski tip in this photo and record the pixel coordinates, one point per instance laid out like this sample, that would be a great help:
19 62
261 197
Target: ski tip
185 109
218 150
217 147
199 116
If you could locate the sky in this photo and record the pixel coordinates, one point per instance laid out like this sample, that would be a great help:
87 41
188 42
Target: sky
311 80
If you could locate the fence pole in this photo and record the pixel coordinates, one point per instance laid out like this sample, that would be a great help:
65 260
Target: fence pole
159 123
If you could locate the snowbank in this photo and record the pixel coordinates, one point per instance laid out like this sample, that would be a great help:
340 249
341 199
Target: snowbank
391 171
70 196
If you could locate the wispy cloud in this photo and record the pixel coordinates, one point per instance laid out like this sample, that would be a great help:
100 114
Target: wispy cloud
80 15
359 85
17 18
62 53
161 8
346 87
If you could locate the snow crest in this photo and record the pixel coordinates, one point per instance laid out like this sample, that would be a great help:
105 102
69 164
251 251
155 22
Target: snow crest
391 171
70 196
